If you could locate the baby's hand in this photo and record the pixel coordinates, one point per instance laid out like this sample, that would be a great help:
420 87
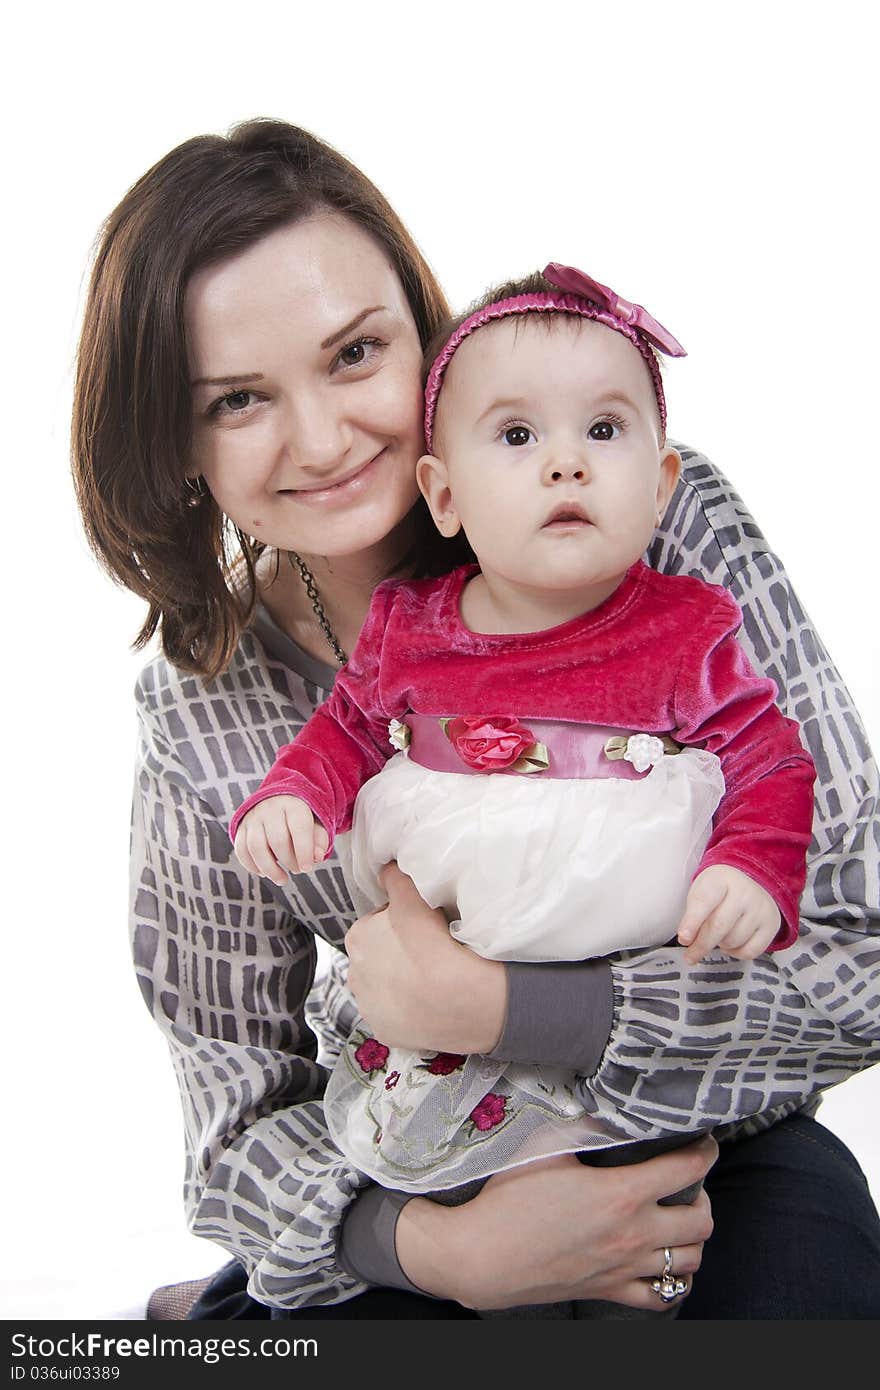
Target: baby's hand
279 835
726 908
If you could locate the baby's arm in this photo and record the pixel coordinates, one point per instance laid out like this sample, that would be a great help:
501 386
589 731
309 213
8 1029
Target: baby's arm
726 908
308 795
280 836
745 895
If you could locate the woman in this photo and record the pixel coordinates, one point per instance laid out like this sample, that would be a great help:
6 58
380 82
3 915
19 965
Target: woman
251 351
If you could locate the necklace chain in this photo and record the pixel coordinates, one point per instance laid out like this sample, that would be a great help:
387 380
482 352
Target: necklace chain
311 589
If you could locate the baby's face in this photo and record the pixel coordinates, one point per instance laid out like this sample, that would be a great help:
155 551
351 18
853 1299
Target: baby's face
549 454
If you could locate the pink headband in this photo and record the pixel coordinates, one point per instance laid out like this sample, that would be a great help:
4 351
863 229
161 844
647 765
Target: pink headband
580 295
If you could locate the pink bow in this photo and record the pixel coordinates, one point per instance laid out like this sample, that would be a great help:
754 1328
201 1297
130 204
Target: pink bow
576 282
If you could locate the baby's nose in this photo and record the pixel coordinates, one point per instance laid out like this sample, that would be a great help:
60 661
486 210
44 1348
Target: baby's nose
566 464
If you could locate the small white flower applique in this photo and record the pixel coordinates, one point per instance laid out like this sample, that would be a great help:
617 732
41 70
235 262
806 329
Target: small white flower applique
643 751
399 735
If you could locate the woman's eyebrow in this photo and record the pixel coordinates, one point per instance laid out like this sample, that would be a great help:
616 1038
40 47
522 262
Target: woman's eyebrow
241 377
237 377
349 327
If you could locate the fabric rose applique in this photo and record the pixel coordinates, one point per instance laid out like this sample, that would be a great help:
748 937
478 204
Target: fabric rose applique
643 751
399 735
498 744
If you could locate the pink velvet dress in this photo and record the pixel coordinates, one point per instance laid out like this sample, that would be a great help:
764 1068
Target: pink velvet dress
559 792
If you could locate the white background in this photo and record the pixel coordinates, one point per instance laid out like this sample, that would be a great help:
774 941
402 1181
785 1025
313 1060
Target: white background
715 163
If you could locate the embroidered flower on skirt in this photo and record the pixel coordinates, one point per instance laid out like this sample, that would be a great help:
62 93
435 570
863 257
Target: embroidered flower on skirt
443 1064
489 1112
371 1055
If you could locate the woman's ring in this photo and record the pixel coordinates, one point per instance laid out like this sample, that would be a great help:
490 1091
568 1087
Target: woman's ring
669 1286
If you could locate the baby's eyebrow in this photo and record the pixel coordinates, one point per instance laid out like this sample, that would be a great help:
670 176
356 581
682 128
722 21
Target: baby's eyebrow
616 398
611 397
503 403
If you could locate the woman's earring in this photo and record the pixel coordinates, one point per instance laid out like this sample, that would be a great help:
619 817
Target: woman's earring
196 489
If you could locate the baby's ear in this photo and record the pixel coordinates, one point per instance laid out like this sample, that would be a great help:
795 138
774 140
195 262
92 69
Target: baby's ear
670 472
433 479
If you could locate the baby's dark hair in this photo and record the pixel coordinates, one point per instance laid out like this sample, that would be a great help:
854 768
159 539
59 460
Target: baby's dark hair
529 284
534 284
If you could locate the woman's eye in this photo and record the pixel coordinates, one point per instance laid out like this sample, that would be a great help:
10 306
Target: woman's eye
233 403
517 435
353 354
357 352
604 430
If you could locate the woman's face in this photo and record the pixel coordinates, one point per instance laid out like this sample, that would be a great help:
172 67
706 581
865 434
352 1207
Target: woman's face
305 366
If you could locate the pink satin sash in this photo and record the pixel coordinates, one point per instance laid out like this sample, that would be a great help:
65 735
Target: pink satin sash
576 750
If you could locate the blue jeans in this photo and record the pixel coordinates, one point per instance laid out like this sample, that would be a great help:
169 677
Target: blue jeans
796 1236
796 1232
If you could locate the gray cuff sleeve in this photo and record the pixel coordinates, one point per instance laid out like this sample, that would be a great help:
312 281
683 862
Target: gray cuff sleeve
366 1247
558 1014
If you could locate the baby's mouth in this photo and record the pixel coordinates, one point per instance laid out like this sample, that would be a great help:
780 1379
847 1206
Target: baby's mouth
567 514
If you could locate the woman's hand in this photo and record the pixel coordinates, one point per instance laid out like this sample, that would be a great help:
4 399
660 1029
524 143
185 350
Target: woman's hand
415 985
555 1230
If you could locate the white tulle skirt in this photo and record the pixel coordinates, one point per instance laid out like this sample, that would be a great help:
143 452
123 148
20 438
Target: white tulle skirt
526 869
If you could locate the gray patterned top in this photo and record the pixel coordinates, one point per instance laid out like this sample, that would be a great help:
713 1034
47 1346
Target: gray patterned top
226 961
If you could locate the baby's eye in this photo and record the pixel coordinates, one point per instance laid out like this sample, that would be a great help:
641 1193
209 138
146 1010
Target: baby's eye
604 430
517 435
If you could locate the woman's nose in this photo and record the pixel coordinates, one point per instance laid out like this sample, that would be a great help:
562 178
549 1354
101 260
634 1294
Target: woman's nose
318 436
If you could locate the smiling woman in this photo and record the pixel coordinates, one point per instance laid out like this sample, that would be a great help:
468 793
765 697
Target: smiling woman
202 317
319 433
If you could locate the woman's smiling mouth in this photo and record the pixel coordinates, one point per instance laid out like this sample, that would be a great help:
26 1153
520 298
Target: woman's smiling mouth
346 488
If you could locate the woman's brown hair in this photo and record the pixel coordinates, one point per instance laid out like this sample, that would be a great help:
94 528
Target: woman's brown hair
210 198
